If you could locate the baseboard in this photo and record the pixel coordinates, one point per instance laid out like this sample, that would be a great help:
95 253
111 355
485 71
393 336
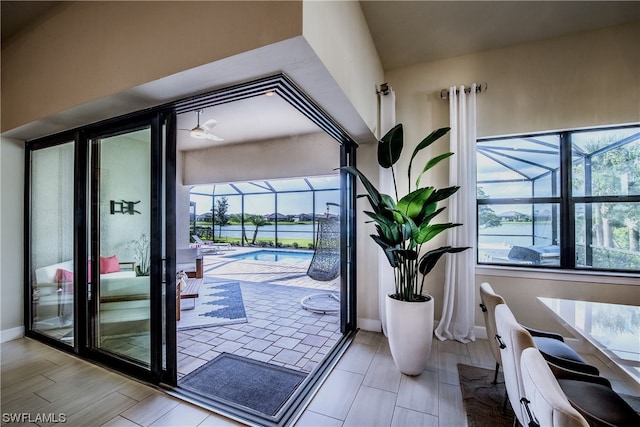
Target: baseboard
11 334
481 332
373 325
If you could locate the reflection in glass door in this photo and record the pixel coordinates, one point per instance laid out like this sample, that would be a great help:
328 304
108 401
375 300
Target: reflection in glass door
51 242
120 252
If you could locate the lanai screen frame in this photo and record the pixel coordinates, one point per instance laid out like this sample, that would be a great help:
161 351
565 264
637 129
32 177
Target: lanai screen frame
568 153
268 188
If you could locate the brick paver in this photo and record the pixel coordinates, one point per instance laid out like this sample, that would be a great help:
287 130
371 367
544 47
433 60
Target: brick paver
278 330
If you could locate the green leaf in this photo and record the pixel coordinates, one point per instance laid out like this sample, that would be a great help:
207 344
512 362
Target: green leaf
408 254
388 250
390 147
390 232
412 204
431 163
443 193
430 259
429 231
430 139
374 194
429 213
387 201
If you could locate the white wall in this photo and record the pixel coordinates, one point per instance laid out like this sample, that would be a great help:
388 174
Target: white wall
296 156
338 33
182 204
52 191
582 80
125 170
11 238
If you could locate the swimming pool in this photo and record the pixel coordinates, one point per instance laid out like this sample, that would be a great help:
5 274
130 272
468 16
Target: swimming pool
290 257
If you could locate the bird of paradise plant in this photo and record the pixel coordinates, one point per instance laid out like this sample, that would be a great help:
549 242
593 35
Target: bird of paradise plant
404 224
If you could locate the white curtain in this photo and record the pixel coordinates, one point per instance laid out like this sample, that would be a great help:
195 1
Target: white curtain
385 272
458 306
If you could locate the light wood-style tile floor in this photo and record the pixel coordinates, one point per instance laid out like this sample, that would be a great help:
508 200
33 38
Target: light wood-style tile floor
364 389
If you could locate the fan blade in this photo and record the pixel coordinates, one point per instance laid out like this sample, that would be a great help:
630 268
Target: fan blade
210 123
214 137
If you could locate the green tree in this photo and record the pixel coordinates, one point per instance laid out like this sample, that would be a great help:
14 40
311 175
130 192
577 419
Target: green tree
258 221
220 216
487 217
613 171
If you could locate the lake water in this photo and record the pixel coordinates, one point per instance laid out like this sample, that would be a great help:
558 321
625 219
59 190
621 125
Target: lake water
294 231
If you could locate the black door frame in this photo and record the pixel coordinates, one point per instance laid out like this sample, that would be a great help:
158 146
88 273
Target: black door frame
162 120
91 139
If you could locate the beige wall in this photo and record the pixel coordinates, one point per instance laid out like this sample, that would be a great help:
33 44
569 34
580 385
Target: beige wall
338 33
86 60
83 51
582 80
11 237
297 156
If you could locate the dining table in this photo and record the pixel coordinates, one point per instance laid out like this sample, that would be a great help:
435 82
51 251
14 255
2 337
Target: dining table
611 330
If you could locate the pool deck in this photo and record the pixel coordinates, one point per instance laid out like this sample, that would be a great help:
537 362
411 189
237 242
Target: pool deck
279 331
223 265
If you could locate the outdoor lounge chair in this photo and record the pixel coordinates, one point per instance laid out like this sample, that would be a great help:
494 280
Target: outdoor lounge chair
207 248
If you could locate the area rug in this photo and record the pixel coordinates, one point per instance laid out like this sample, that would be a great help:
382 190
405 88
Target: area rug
219 303
251 383
482 399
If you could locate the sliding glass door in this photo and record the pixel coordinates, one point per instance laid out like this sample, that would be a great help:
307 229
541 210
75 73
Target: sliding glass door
120 244
50 242
95 243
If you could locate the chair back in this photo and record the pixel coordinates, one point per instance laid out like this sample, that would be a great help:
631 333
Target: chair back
547 402
513 339
489 300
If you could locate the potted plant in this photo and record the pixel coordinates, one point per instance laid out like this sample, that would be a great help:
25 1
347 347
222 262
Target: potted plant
140 248
404 224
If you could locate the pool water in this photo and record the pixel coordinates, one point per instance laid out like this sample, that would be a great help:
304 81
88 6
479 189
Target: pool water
290 257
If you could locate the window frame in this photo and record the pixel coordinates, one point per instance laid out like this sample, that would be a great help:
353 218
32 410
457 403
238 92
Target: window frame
565 200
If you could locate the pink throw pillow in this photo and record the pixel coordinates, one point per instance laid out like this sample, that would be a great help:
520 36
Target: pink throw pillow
63 276
109 264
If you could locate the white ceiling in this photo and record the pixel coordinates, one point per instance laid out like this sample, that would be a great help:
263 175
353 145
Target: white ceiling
410 32
252 119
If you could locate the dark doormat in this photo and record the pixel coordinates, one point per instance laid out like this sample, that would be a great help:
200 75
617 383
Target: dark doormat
482 399
251 383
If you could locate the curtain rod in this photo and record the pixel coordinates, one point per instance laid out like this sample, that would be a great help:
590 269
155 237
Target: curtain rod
480 88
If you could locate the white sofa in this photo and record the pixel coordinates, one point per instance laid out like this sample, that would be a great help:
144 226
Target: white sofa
50 299
47 275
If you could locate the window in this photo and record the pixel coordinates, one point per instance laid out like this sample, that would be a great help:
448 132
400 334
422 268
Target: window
565 199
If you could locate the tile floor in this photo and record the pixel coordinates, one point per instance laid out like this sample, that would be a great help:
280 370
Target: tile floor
364 389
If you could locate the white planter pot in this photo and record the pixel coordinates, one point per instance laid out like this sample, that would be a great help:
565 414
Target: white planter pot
410 333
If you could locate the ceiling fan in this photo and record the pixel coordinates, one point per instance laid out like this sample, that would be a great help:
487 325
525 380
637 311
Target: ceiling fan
203 131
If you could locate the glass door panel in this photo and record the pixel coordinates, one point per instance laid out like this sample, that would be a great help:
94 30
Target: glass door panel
121 256
51 242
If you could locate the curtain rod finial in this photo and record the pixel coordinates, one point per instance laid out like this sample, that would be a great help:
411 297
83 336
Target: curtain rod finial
384 89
